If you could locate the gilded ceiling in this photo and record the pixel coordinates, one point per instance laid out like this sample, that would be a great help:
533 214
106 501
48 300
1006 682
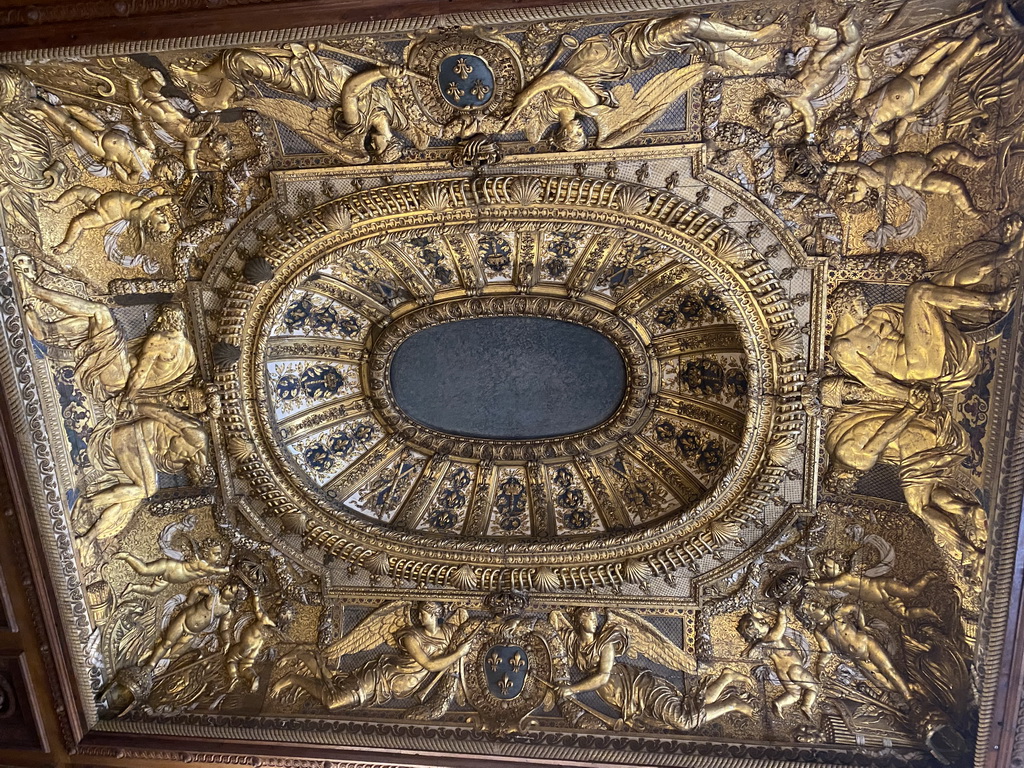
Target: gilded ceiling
627 379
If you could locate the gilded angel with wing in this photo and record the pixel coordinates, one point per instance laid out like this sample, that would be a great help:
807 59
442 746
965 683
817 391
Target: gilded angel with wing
596 639
580 86
424 648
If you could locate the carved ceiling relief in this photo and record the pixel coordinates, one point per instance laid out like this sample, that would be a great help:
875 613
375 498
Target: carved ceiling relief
788 235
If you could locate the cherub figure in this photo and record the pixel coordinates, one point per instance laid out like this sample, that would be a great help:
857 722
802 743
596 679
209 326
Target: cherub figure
422 646
146 97
833 49
240 656
207 608
147 213
840 629
890 110
130 161
917 171
642 699
168 570
775 639
579 86
833 574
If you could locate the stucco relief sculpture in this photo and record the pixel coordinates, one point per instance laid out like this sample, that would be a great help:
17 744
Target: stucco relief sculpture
792 236
640 698
918 353
423 645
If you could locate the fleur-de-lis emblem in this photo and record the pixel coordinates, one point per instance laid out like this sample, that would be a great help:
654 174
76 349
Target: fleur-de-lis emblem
462 69
517 662
494 661
480 90
454 91
505 684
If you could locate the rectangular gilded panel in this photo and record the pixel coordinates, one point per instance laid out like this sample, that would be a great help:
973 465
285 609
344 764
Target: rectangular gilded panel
756 526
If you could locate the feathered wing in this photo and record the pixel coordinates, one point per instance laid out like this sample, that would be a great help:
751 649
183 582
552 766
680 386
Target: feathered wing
833 91
886 231
988 87
563 625
312 124
886 14
801 640
645 640
165 137
28 150
130 632
794 61
378 628
90 163
617 125
933 117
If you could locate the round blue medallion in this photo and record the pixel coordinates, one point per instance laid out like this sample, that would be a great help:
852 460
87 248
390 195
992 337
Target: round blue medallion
466 81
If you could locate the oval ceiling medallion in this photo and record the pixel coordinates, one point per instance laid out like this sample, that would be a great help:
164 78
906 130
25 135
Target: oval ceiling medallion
583 376
578 382
508 378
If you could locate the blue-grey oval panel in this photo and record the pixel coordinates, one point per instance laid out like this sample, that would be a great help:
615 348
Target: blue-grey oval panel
508 378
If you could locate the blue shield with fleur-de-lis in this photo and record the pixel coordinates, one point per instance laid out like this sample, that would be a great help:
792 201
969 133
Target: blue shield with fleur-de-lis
506 667
466 81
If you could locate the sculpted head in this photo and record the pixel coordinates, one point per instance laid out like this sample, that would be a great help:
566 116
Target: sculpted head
385 149
849 299
570 137
831 563
771 110
587 619
25 265
841 478
169 169
813 612
169 317
429 615
158 222
730 135
229 592
752 627
154 83
211 550
221 146
841 136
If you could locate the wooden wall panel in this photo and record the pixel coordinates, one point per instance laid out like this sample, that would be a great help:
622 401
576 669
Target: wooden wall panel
56 24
